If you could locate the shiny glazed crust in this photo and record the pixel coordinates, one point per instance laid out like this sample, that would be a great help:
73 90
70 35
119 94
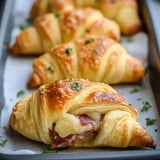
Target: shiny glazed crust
124 12
55 111
51 29
95 58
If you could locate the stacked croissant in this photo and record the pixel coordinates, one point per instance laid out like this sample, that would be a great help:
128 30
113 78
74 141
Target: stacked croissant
79 57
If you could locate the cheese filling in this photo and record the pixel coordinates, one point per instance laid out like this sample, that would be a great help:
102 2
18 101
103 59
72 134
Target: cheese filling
72 139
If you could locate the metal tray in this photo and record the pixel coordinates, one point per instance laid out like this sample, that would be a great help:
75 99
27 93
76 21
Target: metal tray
149 14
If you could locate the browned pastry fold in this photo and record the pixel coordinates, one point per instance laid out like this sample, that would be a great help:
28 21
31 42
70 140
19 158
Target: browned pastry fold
95 58
79 113
52 29
124 12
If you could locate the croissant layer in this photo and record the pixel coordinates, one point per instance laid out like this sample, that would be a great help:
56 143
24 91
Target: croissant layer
95 58
51 29
124 12
79 113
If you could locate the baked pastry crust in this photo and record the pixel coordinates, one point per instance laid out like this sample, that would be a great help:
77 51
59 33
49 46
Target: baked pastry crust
51 29
95 58
79 113
124 12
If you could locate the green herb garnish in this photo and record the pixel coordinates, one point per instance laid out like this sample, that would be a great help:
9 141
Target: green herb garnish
146 106
3 142
129 39
57 15
89 41
68 51
49 149
95 51
22 27
150 121
20 93
69 79
42 92
76 86
134 90
50 69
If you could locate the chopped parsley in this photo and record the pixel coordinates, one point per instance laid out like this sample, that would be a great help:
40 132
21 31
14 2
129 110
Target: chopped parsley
76 85
50 69
3 142
95 51
42 92
129 39
49 149
56 14
20 93
150 121
68 79
134 90
146 106
89 41
68 51
22 27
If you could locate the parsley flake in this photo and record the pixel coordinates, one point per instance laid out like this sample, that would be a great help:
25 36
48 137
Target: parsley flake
129 39
89 41
20 93
42 92
76 86
49 149
69 79
68 51
95 51
50 69
146 106
150 121
134 90
56 14
3 142
22 27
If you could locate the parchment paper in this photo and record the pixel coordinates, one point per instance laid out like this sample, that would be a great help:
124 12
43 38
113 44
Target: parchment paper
18 69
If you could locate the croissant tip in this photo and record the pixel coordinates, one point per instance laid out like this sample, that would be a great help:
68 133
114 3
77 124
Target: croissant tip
34 81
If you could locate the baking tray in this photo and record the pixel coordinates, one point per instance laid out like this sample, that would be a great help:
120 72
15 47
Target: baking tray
11 66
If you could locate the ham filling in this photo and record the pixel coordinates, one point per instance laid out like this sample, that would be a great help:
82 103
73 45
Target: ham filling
71 139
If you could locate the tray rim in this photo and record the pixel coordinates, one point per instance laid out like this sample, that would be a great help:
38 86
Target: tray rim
123 154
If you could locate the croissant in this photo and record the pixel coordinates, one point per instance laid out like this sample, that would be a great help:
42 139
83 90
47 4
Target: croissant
79 113
52 29
124 12
95 58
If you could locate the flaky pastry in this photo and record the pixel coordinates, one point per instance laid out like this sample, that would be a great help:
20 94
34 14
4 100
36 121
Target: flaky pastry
79 113
95 58
51 29
124 12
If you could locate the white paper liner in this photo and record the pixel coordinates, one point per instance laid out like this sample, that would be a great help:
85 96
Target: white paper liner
18 70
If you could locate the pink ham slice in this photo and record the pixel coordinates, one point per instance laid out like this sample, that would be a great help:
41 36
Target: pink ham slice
71 139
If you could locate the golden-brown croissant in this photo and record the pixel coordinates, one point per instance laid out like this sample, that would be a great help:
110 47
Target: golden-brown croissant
95 58
52 29
124 12
79 113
